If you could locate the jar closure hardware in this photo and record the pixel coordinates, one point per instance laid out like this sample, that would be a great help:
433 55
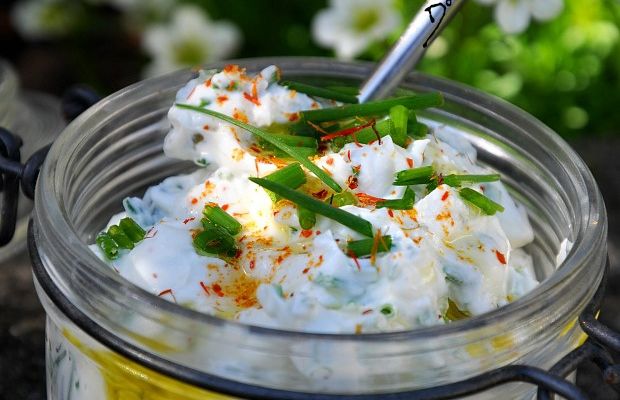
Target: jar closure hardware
14 174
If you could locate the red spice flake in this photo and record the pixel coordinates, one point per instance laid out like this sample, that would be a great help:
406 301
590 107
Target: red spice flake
208 82
240 116
305 271
366 312
352 182
443 215
375 247
238 253
410 162
318 233
355 260
349 155
321 194
348 131
417 240
191 93
186 220
205 127
317 128
500 257
231 68
252 263
330 161
306 233
205 288
222 99
194 200
390 213
445 196
217 289
367 199
255 148
225 207
251 98
356 169
439 180
292 117
167 291
243 290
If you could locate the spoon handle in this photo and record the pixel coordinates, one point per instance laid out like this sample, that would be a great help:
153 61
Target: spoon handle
407 52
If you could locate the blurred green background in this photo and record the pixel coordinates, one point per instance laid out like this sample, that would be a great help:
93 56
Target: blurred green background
565 70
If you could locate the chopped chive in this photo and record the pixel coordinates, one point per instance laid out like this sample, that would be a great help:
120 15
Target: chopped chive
352 90
292 176
485 204
296 141
398 116
458 180
454 313
303 200
215 240
122 240
132 229
322 175
344 198
107 245
415 176
302 151
361 248
405 203
219 217
320 92
387 310
368 135
307 218
372 107
418 130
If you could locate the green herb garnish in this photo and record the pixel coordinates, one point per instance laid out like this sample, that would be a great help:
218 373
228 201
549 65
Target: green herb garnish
218 217
488 206
361 248
307 218
215 240
107 245
321 92
399 116
125 235
292 176
387 310
372 107
415 176
404 203
303 200
458 180
343 198
322 175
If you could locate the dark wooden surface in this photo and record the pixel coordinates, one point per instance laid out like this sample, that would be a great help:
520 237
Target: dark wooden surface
22 320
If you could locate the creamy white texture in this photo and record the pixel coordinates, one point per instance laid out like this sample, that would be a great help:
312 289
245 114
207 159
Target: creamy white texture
285 277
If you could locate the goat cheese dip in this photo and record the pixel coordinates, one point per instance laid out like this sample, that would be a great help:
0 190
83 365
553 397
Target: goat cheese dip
447 259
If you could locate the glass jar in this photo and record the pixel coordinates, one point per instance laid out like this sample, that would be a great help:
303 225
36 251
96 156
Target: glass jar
108 339
37 119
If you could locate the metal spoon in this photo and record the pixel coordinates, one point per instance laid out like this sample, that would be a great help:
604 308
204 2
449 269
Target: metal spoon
407 52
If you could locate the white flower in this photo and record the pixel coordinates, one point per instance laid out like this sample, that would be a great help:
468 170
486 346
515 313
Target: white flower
190 39
350 26
513 16
44 19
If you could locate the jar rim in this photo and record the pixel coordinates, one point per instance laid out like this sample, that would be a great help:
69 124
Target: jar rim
51 218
